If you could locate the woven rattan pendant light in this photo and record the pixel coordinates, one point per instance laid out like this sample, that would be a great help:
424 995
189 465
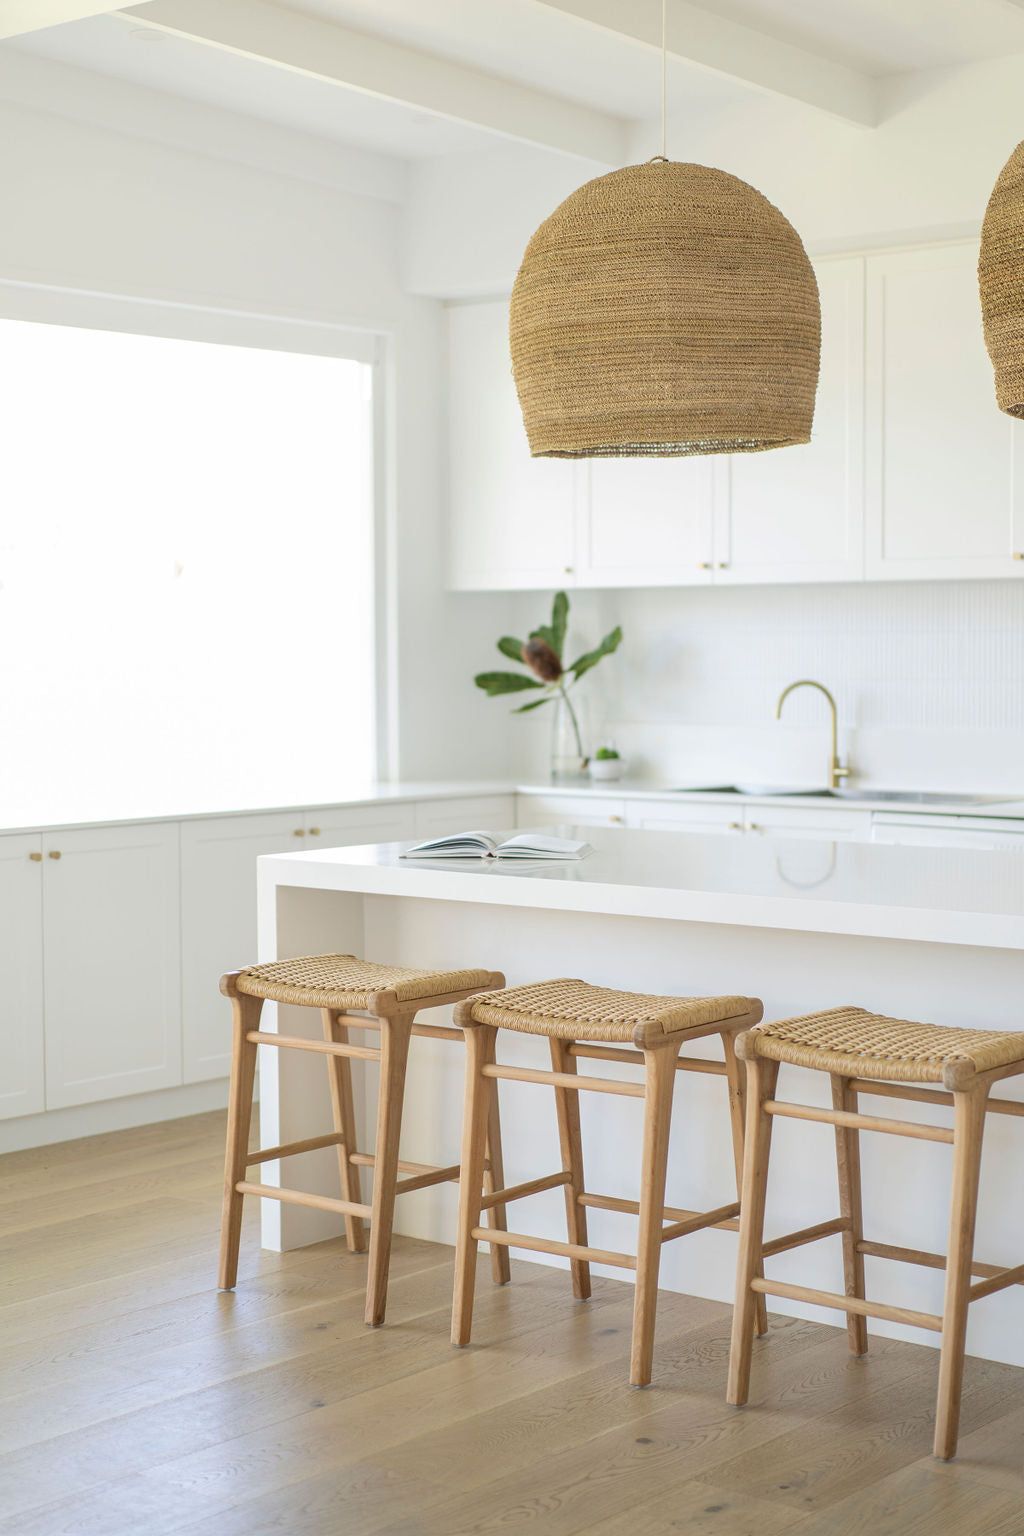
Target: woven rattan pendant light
1001 280
665 309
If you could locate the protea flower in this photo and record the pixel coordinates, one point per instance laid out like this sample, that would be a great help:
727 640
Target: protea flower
542 654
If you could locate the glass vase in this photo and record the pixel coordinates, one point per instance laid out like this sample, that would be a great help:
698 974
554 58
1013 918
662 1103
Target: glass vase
569 749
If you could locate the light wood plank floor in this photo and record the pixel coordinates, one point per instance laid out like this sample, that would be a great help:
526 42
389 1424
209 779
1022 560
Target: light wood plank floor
136 1399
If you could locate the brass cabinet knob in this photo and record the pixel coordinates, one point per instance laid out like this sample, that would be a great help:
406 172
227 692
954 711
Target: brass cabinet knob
723 565
1018 554
616 820
299 832
756 827
54 853
705 565
735 826
568 570
36 858
314 831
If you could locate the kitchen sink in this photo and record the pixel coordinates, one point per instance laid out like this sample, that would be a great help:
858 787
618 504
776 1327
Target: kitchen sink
890 796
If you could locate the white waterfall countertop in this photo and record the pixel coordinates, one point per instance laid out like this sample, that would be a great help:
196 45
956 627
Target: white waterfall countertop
938 895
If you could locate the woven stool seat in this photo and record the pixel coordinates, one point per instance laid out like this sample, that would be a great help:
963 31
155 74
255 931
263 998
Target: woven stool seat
574 1010
855 1043
343 981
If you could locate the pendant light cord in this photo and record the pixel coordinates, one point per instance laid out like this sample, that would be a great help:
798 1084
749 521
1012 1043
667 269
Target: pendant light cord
664 79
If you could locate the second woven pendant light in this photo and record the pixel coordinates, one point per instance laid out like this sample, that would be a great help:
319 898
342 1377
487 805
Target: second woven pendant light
665 309
1001 279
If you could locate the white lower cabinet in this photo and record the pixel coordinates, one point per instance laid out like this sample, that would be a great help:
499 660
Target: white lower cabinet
21 975
684 816
111 970
484 813
948 831
218 923
809 821
345 827
568 809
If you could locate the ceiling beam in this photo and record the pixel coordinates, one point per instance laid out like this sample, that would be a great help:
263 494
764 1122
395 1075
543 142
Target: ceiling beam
740 53
20 16
356 61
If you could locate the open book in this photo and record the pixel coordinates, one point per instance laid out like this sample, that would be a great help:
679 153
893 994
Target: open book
481 845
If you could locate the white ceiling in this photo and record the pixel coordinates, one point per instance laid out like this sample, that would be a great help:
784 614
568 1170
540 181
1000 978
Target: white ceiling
597 55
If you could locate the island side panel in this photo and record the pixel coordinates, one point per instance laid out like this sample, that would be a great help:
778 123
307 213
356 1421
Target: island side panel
294 1094
906 1182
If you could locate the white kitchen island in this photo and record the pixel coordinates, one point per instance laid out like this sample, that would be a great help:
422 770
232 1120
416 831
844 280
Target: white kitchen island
931 934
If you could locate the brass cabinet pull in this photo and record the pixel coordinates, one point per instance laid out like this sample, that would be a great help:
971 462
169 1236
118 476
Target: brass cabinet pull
299 832
314 831
616 820
705 565
723 565
54 853
36 858
1018 554
735 826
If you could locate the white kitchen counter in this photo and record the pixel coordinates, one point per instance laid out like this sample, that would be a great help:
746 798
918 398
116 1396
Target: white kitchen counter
1011 808
938 895
26 817
934 934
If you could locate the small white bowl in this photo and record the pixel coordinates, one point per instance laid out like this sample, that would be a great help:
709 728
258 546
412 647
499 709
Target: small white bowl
606 768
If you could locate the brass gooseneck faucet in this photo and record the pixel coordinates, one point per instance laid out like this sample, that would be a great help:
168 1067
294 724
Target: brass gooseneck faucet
837 771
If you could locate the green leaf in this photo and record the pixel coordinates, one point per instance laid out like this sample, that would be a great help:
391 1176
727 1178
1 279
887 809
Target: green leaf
590 659
533 704
496 683
553 634
511 648
559 622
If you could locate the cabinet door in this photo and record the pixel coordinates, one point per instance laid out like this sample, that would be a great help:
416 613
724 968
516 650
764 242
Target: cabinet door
645 523
488 813
797 514
349 826
809 821
684 816
511 516
555 810
945 470
21 976
112 960
218 924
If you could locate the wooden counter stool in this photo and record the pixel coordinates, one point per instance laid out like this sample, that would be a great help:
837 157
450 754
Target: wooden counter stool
864 1053
350 994
654 1029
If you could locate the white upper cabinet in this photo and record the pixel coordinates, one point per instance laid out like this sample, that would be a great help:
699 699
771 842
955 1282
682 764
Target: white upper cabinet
21 975
511 517
945 466
111 962
645 523
797 514
911 472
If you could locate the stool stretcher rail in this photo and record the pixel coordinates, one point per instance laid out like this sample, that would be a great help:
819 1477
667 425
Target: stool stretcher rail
854 1304
848 1118
548 1245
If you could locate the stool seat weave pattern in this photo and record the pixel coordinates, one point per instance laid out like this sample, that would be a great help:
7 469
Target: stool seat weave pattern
569 1009
344 981
855 1043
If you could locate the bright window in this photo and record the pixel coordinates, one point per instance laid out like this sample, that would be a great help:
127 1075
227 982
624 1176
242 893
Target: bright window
186 574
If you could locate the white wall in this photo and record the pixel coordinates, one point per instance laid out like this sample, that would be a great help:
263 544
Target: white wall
929 678
87 206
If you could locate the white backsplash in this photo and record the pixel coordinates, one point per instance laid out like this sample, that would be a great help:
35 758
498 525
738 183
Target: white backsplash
929 679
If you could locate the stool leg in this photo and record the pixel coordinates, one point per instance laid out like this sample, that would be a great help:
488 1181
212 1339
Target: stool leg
761 1076
245 1016
848 1166
494 1178
968 1131
394 1053
736 1077
339 1072
660 1063
480 1051
567 1106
